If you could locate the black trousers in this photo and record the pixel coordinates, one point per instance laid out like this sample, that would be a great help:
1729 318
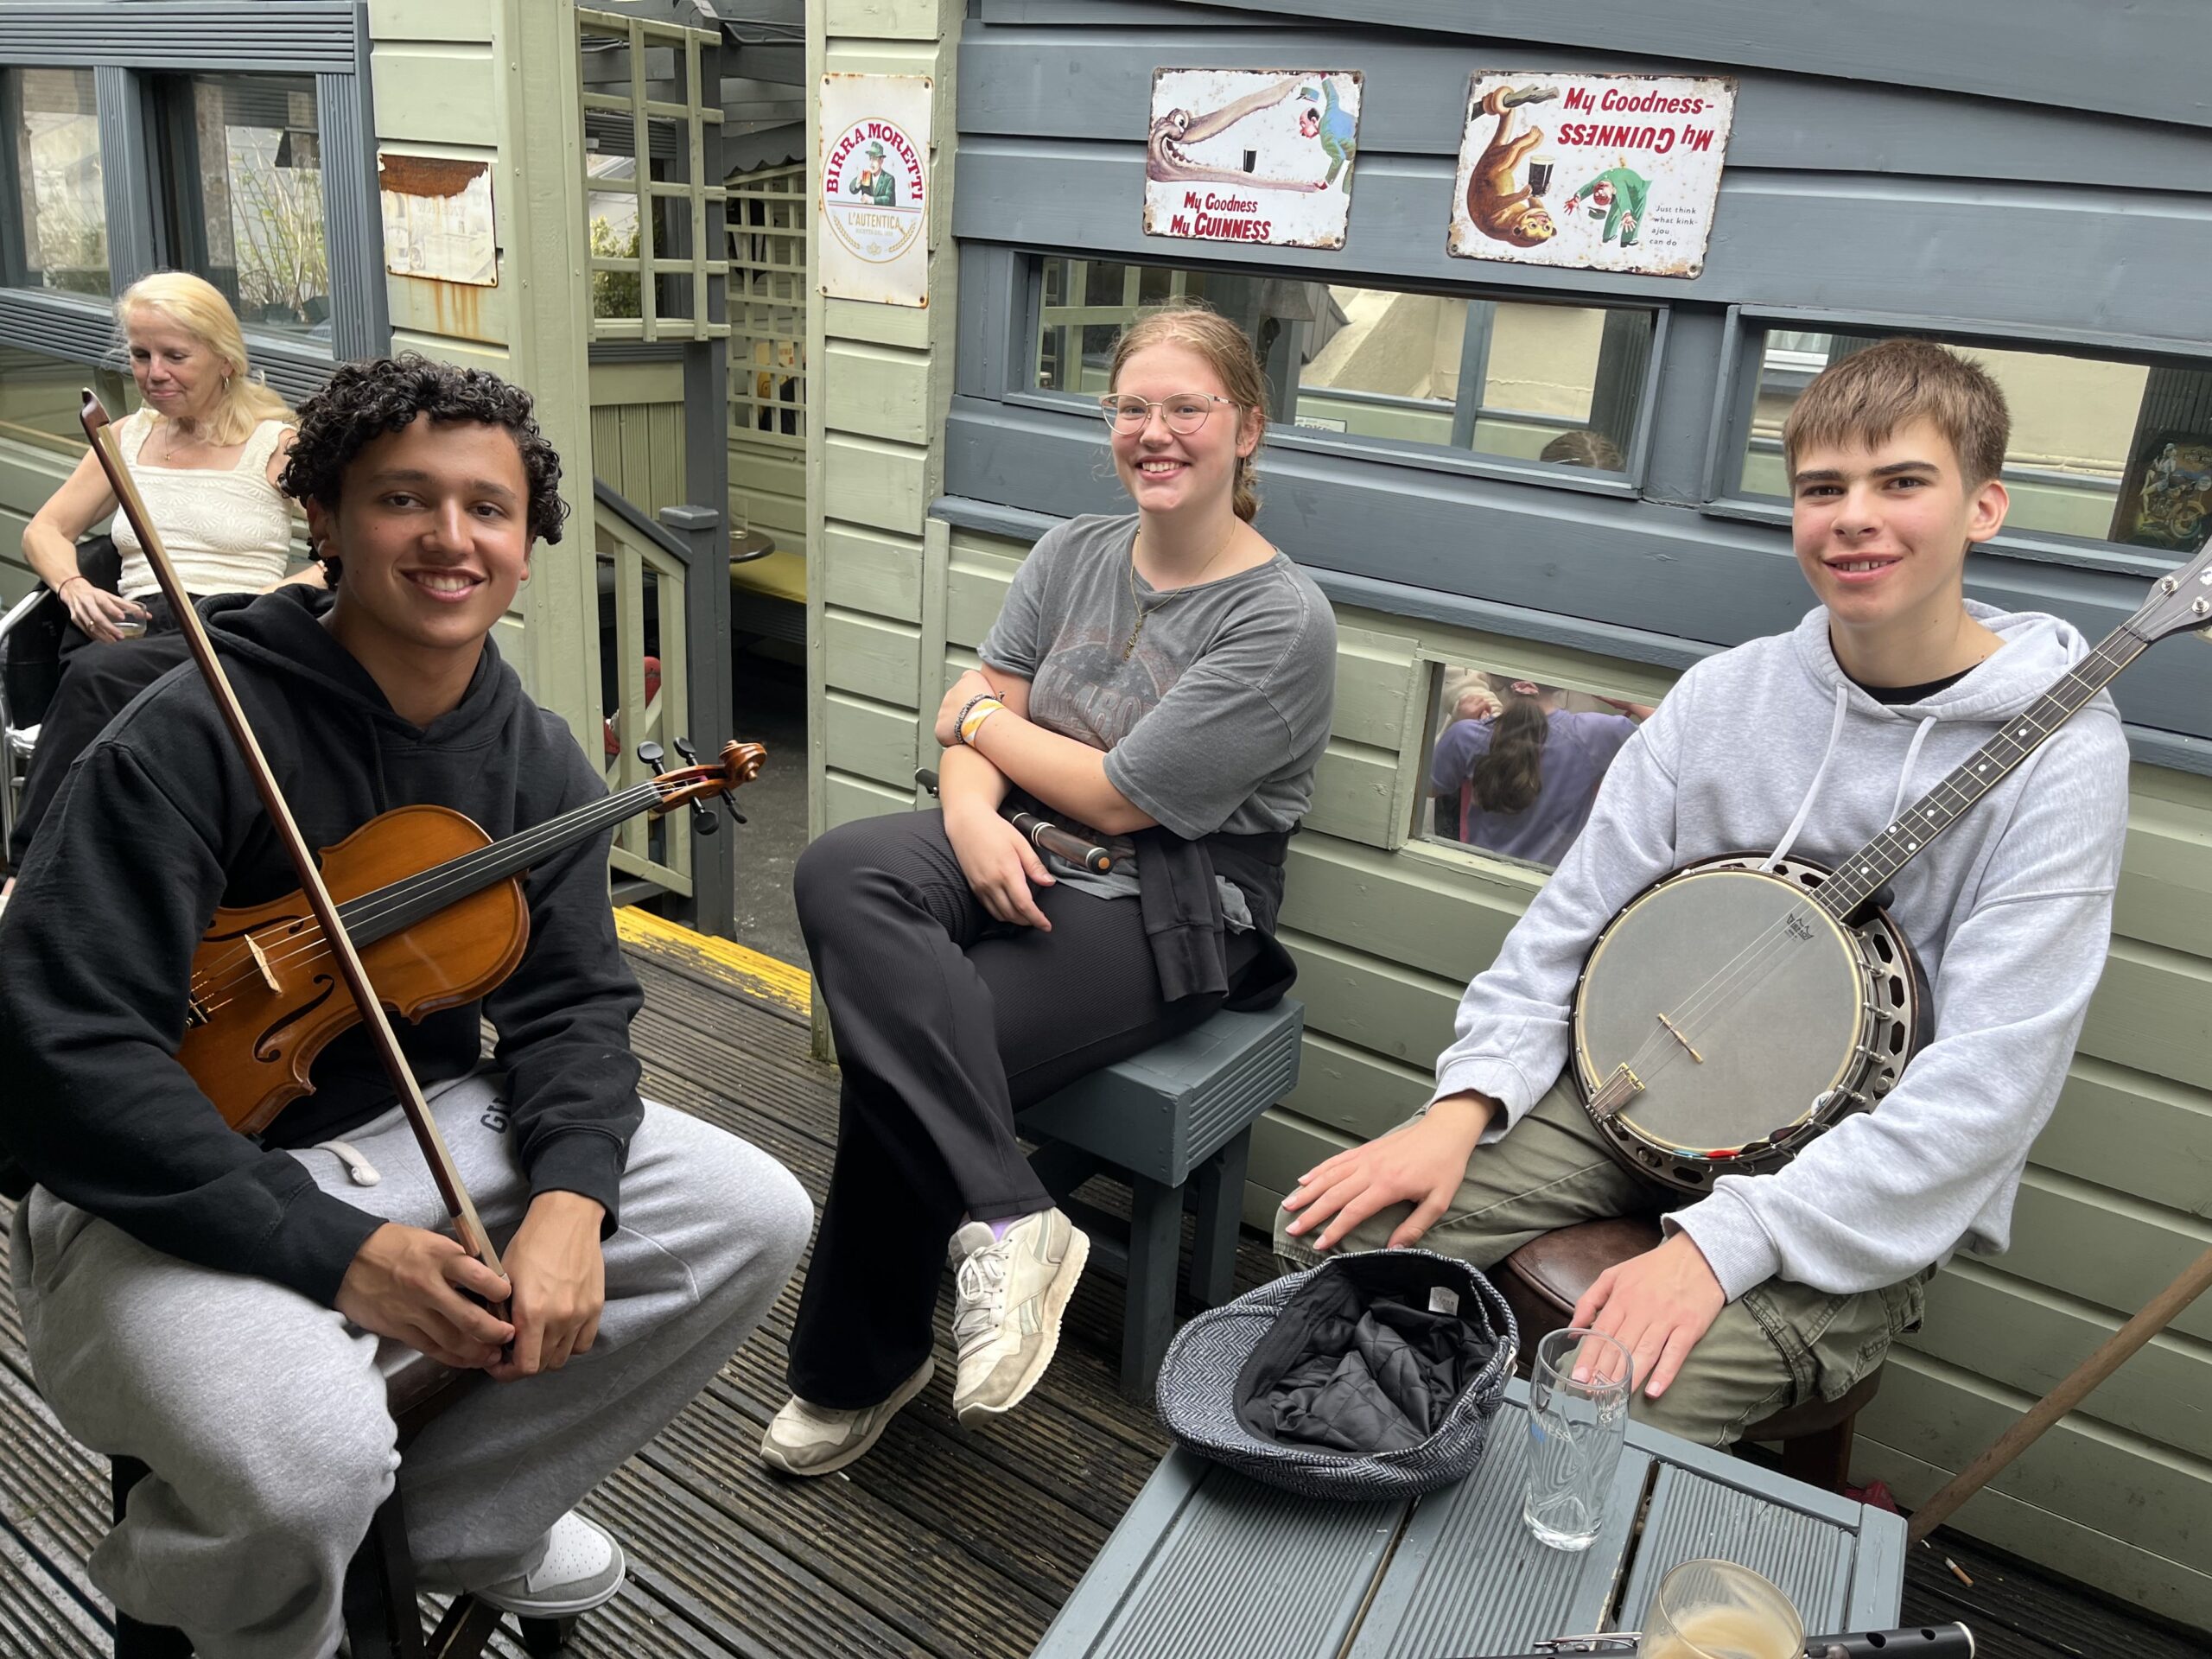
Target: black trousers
947 1024
98 679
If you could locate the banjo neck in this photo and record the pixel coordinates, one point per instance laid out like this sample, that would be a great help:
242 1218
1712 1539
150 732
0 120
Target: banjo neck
1864 873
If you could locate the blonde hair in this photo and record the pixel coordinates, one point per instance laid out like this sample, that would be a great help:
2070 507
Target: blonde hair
198 307
1228 352
1872 393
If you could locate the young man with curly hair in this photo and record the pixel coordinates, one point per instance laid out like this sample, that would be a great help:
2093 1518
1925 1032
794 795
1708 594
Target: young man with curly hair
214 1305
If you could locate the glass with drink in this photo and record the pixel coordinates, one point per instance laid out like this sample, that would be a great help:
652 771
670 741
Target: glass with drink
1717 1610
1575 1434
1539 175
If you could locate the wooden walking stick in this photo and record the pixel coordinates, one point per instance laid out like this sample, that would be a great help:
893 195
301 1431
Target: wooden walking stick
2161 1310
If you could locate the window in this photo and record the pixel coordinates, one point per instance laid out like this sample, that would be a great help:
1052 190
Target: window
1515 764
55 234
2101 450
39 398
1523 381
245 185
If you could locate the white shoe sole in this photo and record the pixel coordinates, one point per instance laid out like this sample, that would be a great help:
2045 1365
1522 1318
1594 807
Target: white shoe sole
1057 1296
773 1456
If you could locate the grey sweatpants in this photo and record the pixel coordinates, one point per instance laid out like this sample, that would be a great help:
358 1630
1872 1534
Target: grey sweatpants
262 1415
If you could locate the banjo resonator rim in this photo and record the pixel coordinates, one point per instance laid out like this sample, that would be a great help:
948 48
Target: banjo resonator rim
1887 1016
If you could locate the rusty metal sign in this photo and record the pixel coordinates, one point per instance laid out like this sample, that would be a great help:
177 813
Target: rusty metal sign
438 222
873 196
1592 172
1252 155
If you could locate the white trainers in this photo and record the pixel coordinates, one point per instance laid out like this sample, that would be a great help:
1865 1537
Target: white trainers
584 1567
809 1439
1006 1321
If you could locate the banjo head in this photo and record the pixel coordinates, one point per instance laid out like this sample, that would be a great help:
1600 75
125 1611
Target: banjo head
1740 1004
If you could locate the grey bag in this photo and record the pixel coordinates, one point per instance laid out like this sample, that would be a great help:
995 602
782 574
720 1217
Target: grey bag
1206 1365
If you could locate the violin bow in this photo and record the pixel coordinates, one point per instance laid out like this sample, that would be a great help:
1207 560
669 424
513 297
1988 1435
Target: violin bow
466 1227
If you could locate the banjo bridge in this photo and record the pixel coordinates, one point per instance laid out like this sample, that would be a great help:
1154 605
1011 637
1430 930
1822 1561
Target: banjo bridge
1676 1033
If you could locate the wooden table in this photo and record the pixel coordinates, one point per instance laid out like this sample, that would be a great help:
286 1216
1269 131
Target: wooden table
1209 1564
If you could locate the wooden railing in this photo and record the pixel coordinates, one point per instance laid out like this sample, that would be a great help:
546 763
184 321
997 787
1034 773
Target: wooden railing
663 581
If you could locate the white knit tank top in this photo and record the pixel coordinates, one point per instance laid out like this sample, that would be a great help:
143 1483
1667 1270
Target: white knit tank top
227 532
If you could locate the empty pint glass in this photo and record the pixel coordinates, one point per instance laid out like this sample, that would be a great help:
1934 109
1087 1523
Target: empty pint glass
1717 1610
1575 1431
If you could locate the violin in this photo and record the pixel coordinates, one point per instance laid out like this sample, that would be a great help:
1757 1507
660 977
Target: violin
434 906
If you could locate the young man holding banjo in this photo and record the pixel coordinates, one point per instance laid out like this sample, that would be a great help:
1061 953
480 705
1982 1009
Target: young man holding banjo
216 1305
1711 1043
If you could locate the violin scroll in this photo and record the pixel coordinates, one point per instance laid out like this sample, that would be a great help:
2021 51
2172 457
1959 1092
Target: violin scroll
741 763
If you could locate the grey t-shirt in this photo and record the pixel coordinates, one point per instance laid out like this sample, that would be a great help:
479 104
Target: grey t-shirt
1217 719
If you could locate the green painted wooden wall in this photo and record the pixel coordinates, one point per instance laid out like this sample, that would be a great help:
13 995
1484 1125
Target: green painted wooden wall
879 378
1387 929
637 431
497 82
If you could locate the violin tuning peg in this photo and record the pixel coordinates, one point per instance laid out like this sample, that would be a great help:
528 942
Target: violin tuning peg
653 755
684 748
703 818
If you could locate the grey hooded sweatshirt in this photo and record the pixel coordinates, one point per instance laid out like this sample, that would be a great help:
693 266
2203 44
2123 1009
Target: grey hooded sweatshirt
1769 748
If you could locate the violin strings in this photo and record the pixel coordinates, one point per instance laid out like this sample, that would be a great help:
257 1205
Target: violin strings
242 969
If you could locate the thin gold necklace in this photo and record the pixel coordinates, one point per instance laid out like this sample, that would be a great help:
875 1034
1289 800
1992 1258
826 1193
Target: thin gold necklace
1129 645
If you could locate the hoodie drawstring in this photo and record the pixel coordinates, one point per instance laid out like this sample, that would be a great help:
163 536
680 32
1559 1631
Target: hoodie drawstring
359 1169
1911 754
1813 789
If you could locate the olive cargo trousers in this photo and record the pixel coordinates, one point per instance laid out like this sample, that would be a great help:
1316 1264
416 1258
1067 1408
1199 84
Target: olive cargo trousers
1777 1345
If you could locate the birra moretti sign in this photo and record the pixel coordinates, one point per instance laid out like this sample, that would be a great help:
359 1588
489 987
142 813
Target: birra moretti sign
873 196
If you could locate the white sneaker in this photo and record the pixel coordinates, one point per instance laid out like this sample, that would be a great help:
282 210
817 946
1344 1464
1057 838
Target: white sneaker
584 1567
1006 1321
811 1440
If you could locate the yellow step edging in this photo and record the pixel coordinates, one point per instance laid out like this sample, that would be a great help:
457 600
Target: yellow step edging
748 972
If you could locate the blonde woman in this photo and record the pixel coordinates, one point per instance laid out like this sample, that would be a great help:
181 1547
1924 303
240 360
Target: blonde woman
206 448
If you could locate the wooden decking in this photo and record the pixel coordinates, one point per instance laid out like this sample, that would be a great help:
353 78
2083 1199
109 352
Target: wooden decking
940 1543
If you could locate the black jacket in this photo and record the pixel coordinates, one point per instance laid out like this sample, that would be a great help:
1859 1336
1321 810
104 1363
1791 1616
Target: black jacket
159 823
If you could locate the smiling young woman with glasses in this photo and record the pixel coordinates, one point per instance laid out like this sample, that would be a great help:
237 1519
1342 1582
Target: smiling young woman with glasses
1161 681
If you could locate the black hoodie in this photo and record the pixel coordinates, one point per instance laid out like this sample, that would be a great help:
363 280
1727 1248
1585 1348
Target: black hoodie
159 823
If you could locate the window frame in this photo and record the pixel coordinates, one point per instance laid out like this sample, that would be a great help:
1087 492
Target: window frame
1738 393
328 40
1628 484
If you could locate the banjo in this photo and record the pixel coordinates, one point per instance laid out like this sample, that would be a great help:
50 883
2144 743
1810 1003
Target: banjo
1736 1010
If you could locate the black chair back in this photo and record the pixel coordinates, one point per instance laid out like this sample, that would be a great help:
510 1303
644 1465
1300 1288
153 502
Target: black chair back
30 656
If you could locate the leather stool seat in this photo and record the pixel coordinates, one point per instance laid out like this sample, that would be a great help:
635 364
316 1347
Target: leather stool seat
1543 1279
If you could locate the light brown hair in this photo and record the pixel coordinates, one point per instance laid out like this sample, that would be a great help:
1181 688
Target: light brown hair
1228 352
1872 393
1583 447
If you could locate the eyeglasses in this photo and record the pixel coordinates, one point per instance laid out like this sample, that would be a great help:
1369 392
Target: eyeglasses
1185 412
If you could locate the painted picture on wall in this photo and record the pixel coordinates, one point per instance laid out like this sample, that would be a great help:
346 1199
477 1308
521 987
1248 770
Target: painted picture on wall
2166 502
873 196
1592 172
1252 155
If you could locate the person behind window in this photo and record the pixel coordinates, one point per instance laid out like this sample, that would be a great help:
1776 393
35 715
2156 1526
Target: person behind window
1525 780
206 449
1162 679
1583 447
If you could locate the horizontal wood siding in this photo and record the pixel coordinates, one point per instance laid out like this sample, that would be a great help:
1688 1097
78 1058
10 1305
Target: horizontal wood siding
1386 931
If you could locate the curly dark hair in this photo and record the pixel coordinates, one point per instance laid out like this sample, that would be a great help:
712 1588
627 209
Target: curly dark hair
363 401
